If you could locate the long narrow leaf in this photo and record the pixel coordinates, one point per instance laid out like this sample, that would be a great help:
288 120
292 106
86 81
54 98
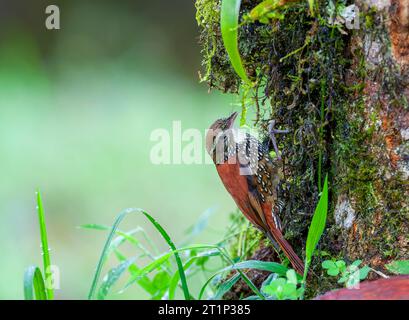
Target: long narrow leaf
144 282
229 23
34 288
317 226
226 286
46 251
112 277
175 279
177 258
122 236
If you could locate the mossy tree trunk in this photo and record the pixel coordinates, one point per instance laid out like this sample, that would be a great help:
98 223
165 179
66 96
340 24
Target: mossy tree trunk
344 95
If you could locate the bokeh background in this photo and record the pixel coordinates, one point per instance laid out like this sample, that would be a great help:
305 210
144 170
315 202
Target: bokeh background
77 107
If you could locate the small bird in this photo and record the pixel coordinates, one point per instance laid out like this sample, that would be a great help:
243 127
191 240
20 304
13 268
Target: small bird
250 176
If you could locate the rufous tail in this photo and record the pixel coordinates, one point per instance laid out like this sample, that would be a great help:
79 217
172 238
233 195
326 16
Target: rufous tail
296 262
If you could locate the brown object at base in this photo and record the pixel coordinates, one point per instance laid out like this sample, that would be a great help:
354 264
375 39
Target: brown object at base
395 288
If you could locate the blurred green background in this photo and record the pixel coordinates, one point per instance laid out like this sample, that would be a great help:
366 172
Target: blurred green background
77 107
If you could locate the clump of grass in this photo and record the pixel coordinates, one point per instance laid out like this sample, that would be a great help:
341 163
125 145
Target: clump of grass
197 255
168 277
35 286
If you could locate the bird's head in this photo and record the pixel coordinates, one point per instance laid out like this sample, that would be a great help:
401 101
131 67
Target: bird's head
219 126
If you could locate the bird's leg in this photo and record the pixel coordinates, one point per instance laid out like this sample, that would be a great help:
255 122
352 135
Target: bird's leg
272 131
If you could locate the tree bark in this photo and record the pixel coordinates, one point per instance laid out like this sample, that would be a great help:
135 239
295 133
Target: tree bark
344 95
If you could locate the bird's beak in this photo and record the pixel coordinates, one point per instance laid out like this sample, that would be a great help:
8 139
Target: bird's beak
230 119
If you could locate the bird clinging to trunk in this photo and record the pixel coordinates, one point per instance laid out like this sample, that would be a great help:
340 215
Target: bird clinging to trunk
250 176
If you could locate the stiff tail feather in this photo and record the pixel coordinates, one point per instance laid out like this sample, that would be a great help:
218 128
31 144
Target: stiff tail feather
296 262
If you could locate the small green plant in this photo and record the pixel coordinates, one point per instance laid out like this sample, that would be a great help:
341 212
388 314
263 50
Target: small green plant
398 267
35 286
266 11
349 275
283 288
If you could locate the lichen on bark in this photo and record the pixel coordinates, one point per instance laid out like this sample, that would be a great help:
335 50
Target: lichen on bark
343 94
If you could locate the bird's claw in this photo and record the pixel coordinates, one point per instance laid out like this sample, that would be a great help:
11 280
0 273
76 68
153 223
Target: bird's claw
272 132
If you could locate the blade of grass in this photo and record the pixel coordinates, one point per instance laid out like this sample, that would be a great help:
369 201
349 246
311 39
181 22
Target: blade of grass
144 282
250 264
112 277
177 258
226 286
163 233
175 279
34 288
317 226
46 251
245 279
229 24
122 236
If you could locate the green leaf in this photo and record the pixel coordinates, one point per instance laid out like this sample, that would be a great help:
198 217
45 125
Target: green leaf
249 264
341 265
292 277
271 277
229 24
290 291
226 286
161 283
112 277
175 279
352 282
34 288
94 226
281 289
398 267
363 272
259 265
143 281
173 247
275 287
333 272
317 226
44 245
300 292
343 279
329 264
311 4
266 10
356 263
